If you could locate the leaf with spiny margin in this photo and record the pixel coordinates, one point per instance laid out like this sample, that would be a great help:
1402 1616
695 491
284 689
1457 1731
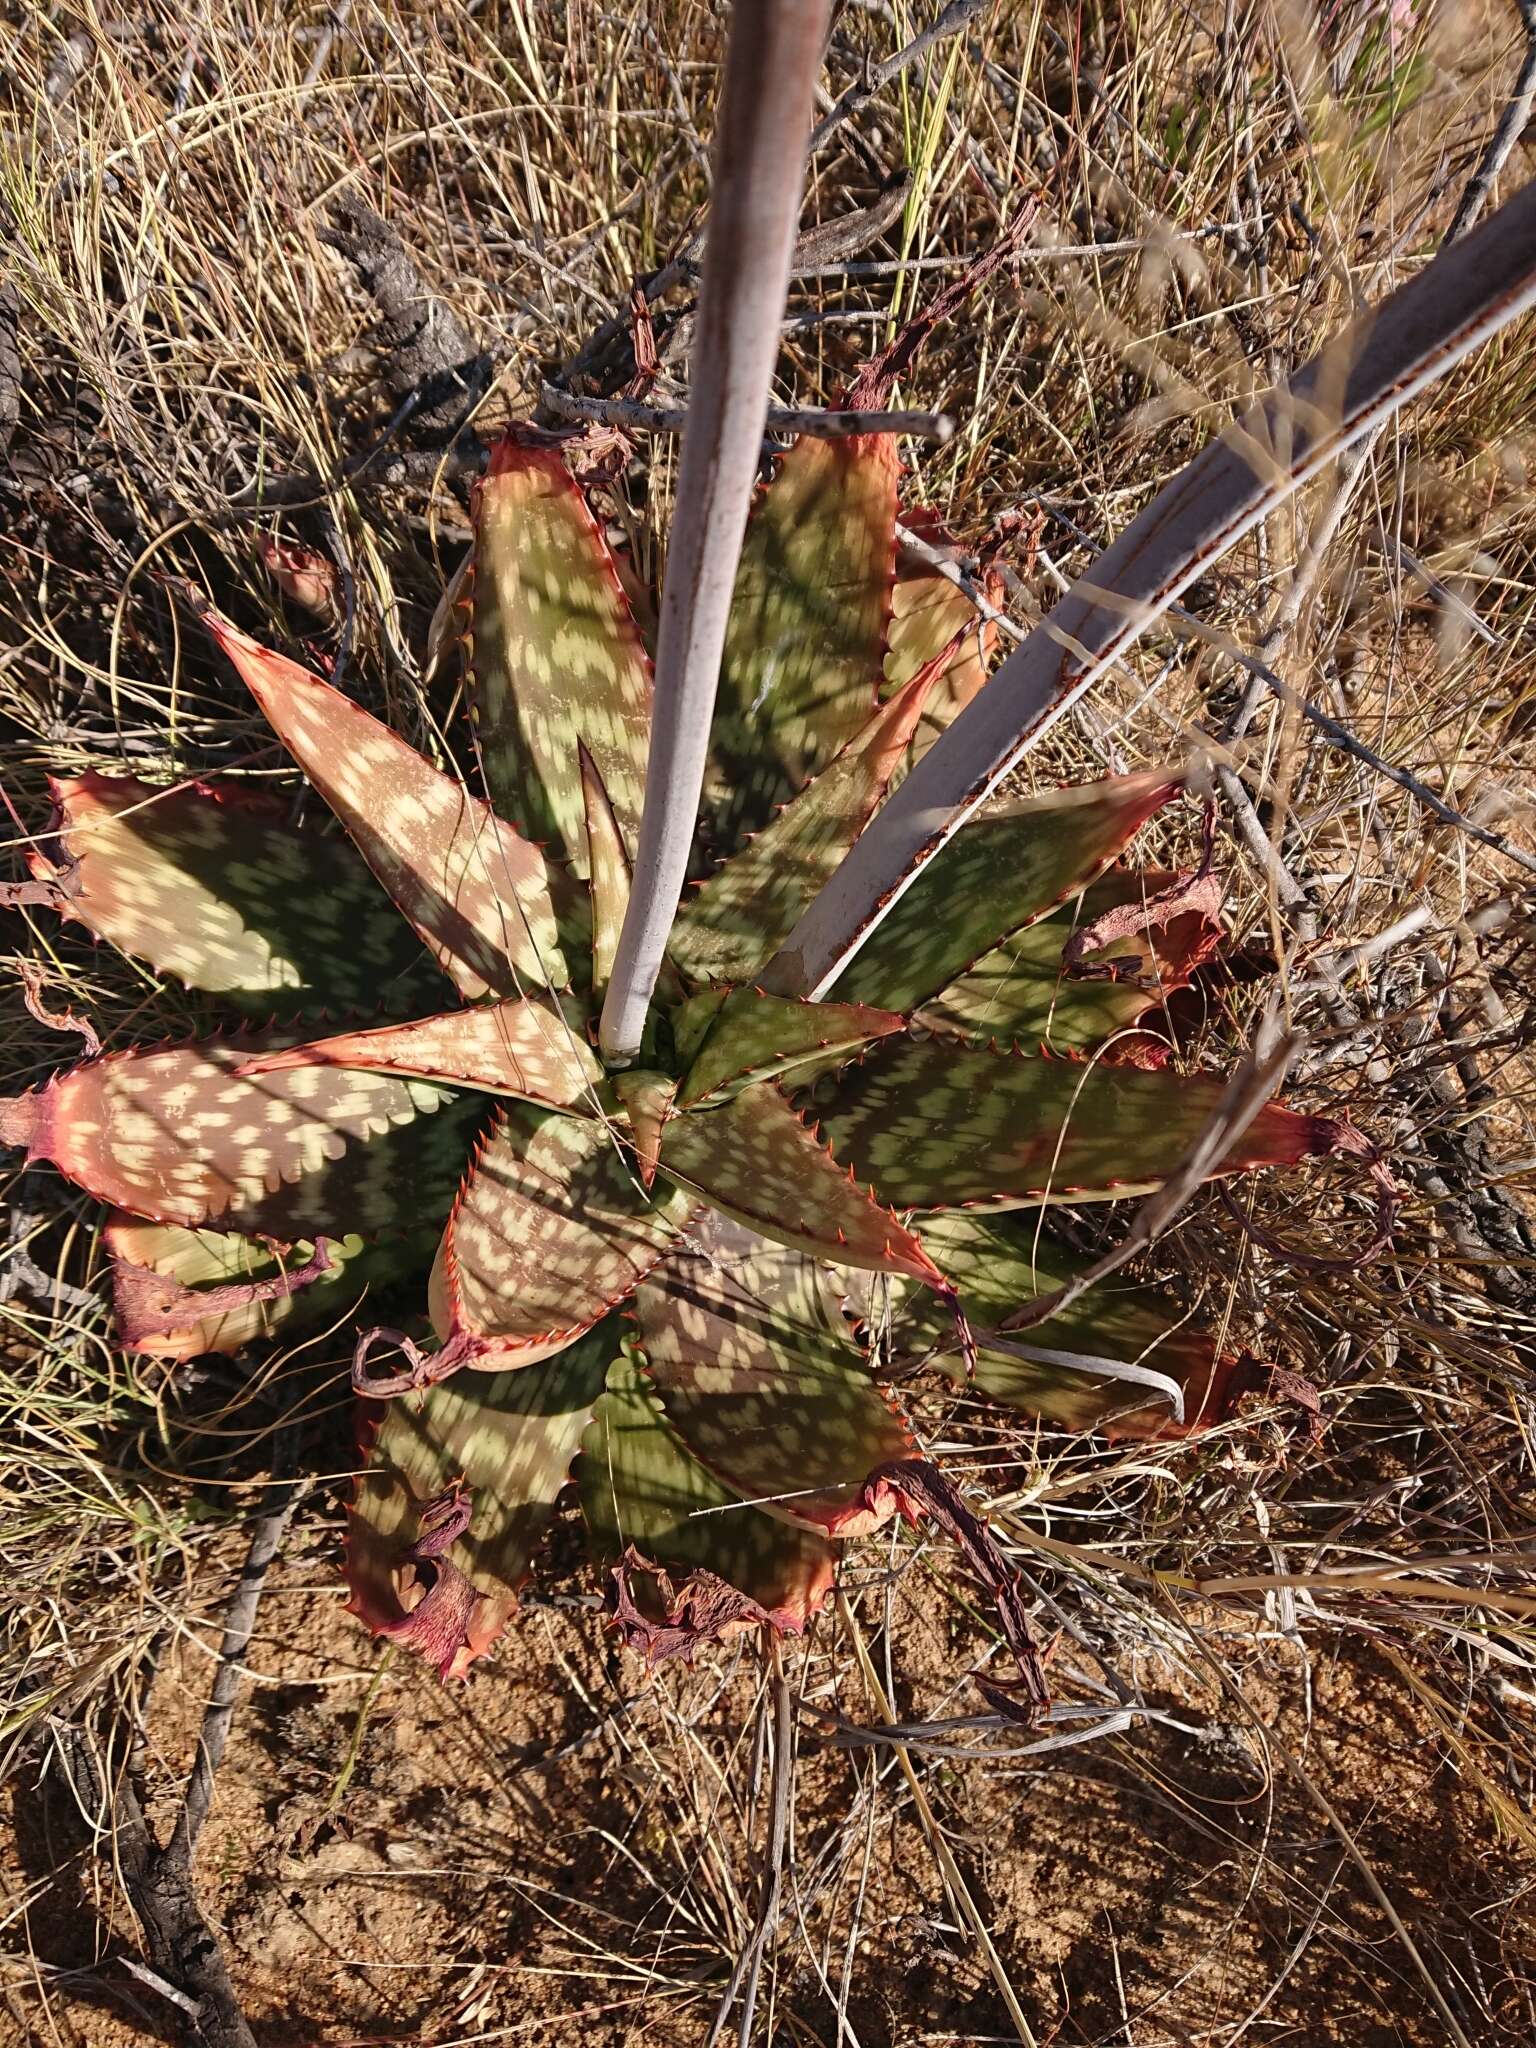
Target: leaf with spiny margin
755 1160
757 1037
520 1047
760 1379
477 892
215 886
938 1125
510 1439
927 611
607 870
1021 992
551 1230
1001 1262
648 1097
556 658
735 922
807 630
176 1134
999 873
181 1293
641 1488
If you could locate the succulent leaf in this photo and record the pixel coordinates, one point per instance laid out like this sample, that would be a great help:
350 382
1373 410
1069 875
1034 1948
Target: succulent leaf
761 1380
999 873
758 1037
523 1046
757 1162
807 631
608 872
1000 1262
642 1490
648 1097
557 660
177 1134
938 1125
508 1440
216 887
1023 992
551 1230
180 1293
927 611
734 924
477 892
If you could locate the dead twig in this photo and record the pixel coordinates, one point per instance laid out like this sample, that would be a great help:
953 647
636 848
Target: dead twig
186 1963
821 424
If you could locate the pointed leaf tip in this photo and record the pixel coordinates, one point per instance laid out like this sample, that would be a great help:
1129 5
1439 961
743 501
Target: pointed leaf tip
475 890
556 657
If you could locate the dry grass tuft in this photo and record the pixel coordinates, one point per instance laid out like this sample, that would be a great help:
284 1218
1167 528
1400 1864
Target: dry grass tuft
1286 1791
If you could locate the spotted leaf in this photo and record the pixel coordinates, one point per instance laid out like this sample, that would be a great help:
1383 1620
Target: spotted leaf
1023 993
175 1133
732 926
1093 1366
216 887
475 890
608 872
755 1160
642 1490
927 611
998 874
556 658
647 1097
807 630
552 1229
179 1293
934 1125
760 1379
757 1037
519 1047
508 1440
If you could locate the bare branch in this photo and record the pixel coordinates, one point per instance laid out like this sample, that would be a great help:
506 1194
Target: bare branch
636 415
759 166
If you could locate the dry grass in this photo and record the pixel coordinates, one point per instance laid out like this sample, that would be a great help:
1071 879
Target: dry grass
1299 1675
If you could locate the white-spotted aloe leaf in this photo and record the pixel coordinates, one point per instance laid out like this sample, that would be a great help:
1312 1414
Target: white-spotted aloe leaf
219 889
503 1443
1002 871
522 1046
556 658
647 1096
729 930
938 1125
761 1380
1024 993
607 872
643 1492
179 1293
551 1230
1072 1368
807 633
477 892
758 1037
755 1160
927 612
176 1134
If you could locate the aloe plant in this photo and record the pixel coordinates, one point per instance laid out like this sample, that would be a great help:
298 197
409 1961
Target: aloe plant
680 1183
676 1268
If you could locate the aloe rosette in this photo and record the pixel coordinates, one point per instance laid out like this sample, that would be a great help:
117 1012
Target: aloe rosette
670 1277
